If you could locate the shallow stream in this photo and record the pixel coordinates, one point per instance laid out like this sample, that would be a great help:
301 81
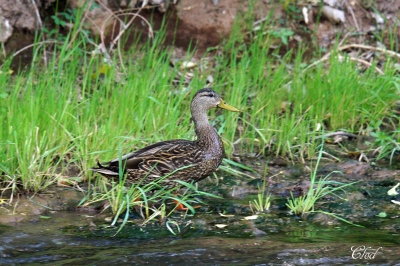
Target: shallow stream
223 231
77 239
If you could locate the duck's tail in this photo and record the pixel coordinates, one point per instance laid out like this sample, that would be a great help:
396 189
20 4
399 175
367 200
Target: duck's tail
106 170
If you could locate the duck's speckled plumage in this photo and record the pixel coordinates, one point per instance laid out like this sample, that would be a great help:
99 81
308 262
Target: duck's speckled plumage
200 157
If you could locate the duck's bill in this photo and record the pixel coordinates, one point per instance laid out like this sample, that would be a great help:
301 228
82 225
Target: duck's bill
226 106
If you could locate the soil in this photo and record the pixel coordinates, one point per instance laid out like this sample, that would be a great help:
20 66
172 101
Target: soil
205 24
31 207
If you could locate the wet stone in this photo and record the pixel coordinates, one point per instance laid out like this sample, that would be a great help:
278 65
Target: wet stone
325 219
355 196
11 219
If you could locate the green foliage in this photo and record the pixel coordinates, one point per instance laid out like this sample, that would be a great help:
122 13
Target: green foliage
305 204
70 112
263 201
283 34
285 103
150 198
386 143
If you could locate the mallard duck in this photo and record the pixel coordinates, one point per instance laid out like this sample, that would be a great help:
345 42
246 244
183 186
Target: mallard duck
200 157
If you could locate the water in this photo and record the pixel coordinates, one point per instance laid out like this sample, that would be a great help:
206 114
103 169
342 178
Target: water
274 238
72 238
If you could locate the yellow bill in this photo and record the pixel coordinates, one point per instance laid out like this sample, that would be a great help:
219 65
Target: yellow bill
226 106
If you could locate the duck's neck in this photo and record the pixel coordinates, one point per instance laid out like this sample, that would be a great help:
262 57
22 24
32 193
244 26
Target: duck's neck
206 134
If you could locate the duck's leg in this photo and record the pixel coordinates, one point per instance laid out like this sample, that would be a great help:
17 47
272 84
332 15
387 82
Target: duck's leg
180 205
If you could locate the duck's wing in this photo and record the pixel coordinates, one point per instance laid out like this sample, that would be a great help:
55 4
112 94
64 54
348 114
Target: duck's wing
158 159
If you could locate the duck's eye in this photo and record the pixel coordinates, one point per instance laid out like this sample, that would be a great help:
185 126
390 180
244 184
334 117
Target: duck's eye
210 95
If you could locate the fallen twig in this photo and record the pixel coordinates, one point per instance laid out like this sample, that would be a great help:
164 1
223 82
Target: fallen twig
364 62
33 44
348 6
336 133
359 46
368 47
39 21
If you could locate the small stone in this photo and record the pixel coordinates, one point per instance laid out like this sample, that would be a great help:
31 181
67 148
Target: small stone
332 3
334 15
378 18
258 232
355 196
325 219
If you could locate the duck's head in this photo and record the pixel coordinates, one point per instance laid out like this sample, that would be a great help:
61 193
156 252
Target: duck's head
206 99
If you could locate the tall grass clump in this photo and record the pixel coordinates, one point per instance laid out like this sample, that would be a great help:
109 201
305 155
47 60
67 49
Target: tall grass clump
263 201
287 103
150 199
305 204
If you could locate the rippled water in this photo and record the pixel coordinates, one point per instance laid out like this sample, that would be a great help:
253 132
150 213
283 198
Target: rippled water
67 238
274 238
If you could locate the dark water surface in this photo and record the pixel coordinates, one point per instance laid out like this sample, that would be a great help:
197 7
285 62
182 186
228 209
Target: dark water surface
222 232
66 238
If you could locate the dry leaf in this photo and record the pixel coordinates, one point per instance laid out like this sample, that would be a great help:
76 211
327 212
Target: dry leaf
253 217
396 202
65 182
221 225
392 191
226 215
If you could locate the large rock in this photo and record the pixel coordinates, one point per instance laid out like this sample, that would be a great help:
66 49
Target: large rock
19 15
206 23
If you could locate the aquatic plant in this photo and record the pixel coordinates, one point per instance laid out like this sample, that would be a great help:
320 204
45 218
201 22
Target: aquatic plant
305 204
263 201
150 199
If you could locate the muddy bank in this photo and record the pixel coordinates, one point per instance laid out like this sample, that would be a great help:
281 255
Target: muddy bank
30 208
205 24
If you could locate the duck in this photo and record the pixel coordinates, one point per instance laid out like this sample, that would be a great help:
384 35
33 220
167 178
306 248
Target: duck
177 159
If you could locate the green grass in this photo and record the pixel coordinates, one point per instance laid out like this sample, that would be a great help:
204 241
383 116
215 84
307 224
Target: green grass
305 204
66 114
263 201
386 143
151 199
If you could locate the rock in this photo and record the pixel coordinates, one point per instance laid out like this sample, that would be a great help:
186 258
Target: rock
18 23
352 169
355 196
19 15
99 18
205 23
332 3
333 15
30 207
6 29
243 189
384 174
325 219
11 219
